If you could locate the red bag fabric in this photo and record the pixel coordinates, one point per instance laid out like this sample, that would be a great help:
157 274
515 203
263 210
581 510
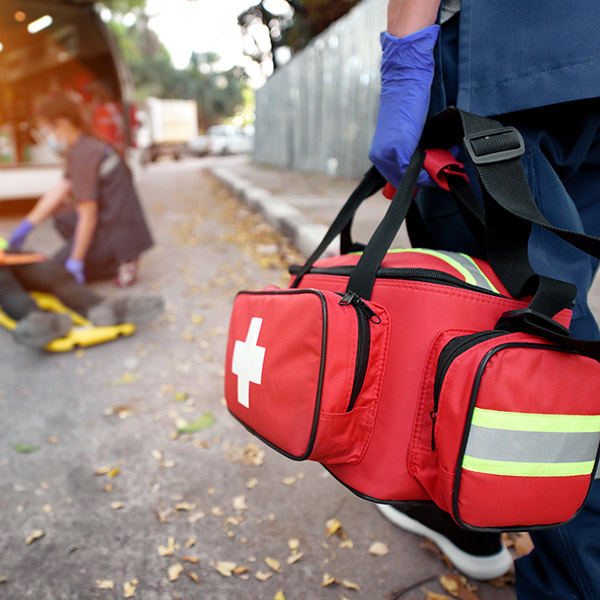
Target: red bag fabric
305 371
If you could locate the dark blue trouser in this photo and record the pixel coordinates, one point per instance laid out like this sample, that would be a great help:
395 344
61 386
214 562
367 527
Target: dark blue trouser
562 162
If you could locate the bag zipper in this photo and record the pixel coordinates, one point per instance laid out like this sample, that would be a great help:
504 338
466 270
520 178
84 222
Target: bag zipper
423 275
365 314
452 350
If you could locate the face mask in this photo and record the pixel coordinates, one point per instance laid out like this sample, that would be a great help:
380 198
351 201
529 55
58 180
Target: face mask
58 146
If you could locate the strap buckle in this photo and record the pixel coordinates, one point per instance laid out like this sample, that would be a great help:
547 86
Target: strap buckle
530 321
494 145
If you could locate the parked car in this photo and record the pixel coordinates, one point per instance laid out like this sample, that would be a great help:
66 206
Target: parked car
198 146
62 46
229 139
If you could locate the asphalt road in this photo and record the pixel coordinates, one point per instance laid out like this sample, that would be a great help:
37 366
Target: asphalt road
102 498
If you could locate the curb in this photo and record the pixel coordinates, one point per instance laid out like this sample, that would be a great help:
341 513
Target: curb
302 231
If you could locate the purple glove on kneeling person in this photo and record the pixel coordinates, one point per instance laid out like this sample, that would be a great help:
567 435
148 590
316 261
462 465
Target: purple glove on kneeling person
17 237
76 268
407 68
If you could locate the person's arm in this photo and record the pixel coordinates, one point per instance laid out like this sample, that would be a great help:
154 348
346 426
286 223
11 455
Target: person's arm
407 70
87 216
407 16
49 203
44 207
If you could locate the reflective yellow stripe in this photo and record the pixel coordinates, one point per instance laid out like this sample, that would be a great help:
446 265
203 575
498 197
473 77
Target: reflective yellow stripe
520 469
453 263
490 284
517 421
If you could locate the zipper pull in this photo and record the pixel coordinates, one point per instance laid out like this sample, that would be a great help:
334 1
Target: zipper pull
353 298
433 415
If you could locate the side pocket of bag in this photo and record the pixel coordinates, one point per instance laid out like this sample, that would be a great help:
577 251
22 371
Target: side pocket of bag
517 431
346 420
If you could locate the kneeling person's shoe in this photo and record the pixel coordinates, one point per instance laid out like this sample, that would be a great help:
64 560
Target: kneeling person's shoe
39 328
479 555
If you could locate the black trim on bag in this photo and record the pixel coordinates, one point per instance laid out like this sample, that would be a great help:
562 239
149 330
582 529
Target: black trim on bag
465 437
315 423
420 275
377 500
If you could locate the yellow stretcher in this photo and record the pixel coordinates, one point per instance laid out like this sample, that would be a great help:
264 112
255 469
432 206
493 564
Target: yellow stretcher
83 333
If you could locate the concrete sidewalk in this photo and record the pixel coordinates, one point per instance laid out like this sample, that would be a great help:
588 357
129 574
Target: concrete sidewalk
303 205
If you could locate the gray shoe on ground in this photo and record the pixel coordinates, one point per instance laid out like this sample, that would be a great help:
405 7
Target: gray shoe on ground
128 309
39 328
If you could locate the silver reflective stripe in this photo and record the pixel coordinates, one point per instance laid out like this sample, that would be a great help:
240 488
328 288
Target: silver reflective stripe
109 164
471 266
463 263
532 446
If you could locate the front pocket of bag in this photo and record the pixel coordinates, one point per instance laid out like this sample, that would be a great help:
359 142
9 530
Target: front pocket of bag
517 427
320 378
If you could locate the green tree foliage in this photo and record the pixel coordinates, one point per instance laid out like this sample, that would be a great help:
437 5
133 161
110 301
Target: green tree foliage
219 94
304 20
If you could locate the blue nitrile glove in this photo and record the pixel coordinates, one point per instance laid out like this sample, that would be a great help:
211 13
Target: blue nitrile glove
17 237
407 67
75 267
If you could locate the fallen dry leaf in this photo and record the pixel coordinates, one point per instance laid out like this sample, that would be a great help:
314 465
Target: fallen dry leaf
196 517
350 585
239 503
332 526
241 570
433 596
129 588
3 579
262 576
191 559
36 535
175 571
103 470
293 544
113 473
193 576
327 580
169 549
252 483
379 549
105 584
289 480
249 456
225 567
190 543
273 564
279 595
523 544
117 505
459 587
185 506
294 557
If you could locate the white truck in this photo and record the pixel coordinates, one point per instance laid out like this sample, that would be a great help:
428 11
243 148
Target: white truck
166 127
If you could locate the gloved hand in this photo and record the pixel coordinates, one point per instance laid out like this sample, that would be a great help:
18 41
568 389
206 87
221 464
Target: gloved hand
17 237
76 268
407 68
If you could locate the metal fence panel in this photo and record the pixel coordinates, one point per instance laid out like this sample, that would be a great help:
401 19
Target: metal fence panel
318 113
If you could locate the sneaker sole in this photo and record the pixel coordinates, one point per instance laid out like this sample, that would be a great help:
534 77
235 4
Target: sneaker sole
475 567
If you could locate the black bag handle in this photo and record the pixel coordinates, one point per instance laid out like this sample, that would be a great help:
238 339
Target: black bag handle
371 183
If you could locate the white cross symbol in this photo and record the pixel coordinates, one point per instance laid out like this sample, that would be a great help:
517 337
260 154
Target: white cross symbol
248 361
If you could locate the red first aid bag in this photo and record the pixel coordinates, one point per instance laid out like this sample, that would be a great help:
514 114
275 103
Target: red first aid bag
428 375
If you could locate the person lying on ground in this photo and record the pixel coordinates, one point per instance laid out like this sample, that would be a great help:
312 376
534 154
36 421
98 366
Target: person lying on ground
36 327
